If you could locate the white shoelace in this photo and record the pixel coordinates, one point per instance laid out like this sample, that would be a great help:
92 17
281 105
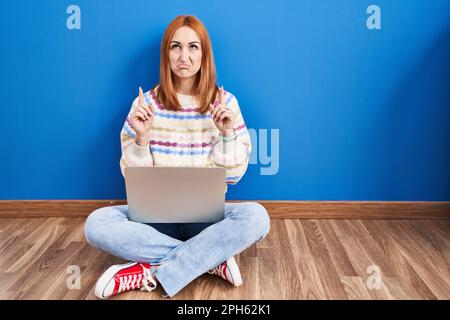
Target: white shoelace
136 281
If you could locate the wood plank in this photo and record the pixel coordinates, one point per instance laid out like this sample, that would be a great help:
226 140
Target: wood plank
355 288
276 209
299 259
406 278
336 250
326 269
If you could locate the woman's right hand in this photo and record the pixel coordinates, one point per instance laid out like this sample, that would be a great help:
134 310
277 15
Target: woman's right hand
142 118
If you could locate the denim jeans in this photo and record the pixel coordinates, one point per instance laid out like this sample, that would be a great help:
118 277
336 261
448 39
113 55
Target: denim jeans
183 251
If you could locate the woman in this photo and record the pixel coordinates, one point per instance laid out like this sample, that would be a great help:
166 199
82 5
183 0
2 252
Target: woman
160 131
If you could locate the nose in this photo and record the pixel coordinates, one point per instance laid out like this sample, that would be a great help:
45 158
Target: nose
184 55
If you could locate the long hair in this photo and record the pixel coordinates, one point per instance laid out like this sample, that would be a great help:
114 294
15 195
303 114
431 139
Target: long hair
205 88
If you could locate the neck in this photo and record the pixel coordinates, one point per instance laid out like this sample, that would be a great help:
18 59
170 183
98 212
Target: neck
185 85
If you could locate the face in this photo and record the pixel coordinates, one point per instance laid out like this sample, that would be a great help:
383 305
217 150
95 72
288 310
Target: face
185 54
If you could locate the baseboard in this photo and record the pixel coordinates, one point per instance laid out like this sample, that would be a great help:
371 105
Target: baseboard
277 209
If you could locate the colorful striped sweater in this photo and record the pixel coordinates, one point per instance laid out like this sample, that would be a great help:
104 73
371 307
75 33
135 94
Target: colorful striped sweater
187 138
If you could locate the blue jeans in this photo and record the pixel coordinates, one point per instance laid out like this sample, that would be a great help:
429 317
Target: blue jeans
184 251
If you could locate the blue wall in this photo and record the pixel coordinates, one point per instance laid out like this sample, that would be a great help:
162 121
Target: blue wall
362 114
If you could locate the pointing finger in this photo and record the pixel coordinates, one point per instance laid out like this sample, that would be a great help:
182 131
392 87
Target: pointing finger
222 96
141 96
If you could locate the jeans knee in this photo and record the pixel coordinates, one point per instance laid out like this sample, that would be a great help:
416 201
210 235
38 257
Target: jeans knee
258 220
264 220
94 223
89 227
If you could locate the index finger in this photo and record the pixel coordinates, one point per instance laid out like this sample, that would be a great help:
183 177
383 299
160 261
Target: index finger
222 95
141 96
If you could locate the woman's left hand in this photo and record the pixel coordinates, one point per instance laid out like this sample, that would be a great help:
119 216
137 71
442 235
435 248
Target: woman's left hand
222 115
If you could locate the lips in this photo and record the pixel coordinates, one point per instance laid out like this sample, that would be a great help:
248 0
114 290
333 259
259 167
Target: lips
183 66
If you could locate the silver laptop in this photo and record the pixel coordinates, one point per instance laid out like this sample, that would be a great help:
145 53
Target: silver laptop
175 194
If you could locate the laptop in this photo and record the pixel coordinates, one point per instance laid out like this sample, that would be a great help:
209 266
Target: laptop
175 194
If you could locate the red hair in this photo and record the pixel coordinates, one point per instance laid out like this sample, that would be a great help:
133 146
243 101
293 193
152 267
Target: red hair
205 87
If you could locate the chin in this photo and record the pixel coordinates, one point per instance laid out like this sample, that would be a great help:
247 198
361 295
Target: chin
184 75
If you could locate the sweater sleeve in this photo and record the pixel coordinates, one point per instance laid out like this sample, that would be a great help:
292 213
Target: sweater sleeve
132 154
233 155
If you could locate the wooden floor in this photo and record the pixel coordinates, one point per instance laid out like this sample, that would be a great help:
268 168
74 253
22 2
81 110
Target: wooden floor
299 259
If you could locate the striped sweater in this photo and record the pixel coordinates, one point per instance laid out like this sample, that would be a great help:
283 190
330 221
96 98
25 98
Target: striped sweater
186 138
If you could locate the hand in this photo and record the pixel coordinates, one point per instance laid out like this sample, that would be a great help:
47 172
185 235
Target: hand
222 115
142 118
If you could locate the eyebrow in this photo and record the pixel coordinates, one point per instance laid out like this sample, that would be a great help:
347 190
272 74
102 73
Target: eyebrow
189 42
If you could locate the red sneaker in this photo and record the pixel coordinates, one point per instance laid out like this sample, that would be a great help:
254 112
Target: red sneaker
124 277
229 271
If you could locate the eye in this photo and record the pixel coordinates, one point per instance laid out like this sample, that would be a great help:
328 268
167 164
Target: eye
194 46
174 46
